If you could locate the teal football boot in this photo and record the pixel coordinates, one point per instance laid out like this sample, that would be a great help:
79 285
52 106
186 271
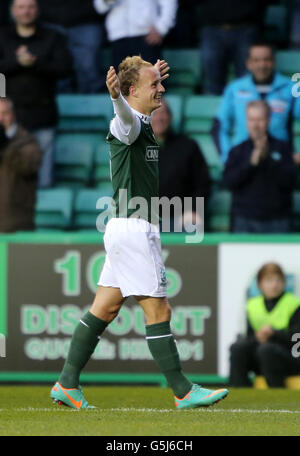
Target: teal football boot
200 397
72 397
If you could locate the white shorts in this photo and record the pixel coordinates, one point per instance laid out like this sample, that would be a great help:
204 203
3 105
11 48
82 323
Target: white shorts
133 258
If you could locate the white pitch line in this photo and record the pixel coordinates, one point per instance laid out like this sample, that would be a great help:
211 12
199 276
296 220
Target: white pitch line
200 409
251 411
37 409
152 410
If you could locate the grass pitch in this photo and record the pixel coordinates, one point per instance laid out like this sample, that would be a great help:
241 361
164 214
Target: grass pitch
148 411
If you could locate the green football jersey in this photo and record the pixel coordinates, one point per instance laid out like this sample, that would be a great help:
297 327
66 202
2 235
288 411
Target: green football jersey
134 174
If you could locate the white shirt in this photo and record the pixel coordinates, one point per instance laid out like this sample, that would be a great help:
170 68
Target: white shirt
129 18
126 125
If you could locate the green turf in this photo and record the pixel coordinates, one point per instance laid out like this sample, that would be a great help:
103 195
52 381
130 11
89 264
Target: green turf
148 411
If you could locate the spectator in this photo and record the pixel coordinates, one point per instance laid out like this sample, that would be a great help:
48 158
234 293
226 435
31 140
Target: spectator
82 26
272 318
295 25
32 59
20 158
229 29
184 33
263 82
183 171
136 27
261 174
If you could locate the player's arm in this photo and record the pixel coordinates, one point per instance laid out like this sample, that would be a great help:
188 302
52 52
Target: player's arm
125 126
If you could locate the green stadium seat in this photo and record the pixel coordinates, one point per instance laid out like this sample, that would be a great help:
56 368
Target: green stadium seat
185 70
85 211
287 62
54 208
84 112
175 103
101 172
297 150
296 212
105 59
297 143
210 154
219 208
296 127
90 138
73 161
198 113
276 24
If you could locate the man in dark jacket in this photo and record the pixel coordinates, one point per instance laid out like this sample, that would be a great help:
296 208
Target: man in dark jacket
82 26
261 174
20 158
183 171
32 59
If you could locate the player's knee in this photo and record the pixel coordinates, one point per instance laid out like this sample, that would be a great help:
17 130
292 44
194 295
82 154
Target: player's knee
111 314
113 311
106 312
165 314
161 312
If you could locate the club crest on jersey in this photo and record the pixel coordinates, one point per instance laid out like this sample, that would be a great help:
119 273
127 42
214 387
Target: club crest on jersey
152 153
163 277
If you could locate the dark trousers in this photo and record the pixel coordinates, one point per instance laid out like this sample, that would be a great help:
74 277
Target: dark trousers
134 46
249 225
84 43
272 360
221 47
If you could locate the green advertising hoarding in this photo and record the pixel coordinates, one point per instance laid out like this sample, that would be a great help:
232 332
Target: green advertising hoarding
47 286
47 280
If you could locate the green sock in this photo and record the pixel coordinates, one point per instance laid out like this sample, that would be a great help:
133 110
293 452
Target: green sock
83 344
164 351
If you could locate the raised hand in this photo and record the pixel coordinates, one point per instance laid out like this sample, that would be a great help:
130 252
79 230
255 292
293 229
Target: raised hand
24 57
260 150
163 68
154 38
261 143
113 83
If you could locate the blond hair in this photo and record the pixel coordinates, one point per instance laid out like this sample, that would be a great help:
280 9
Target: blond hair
129 72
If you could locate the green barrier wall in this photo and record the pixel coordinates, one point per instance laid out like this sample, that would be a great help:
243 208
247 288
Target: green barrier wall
20 264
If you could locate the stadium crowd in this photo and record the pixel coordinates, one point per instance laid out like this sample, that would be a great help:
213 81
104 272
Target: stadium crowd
55 55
